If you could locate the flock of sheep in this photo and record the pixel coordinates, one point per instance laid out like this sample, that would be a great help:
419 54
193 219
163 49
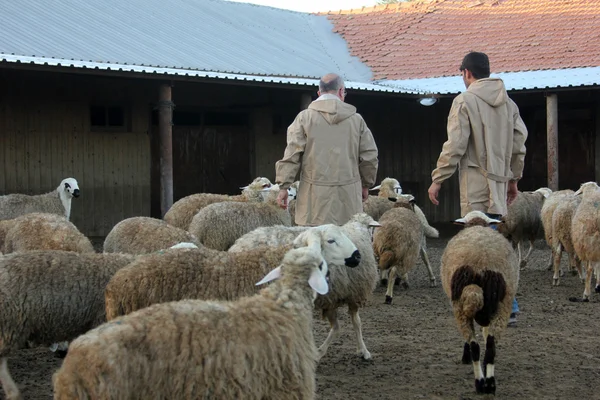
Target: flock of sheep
173 308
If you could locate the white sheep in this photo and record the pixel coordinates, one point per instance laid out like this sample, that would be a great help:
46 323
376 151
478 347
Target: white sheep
562 239
55 202
259 347
141 235
548 208
585 233
183 210
42 231
523 220
219 225
480 276
49 297
351 286
210 274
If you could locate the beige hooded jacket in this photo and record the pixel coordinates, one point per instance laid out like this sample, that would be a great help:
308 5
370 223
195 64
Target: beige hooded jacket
336 154
486 140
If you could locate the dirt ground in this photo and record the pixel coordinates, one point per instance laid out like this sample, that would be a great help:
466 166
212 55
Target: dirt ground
553 352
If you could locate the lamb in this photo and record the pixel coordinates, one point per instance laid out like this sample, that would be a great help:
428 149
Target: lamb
210 274
259 347
183 210
548 208
561 236
56 202
141 235
42 231
480 275
219 225
396 244
586 234
523 220
48 297
348 286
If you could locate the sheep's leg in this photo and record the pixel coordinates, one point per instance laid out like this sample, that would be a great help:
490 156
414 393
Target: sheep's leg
597 275
556 262
588 281
356 323
331 315
519 253
10 387
425 258
384 276
551 261
390 289
575 265
405 284
489 385
471 348
524 260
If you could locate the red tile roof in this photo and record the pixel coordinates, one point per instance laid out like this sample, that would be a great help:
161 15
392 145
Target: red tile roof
428 38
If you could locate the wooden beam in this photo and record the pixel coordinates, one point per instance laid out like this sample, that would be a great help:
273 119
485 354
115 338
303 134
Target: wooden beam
552 140
165 134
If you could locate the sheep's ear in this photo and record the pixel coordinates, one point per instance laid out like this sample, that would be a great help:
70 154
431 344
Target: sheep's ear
318 282
244 187
376 187
271 276
374 224
460 221
310 238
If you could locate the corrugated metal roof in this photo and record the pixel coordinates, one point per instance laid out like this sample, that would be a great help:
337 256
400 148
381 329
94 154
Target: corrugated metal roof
9 58
211 35
524 80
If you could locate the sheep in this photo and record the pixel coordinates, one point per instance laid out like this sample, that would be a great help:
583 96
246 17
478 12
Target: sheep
348 286
56 202
258 347
480 276
141 235
586 235
219 225
548 208
397 243
561 236
210 274
48 297
183 210
42 231
523 220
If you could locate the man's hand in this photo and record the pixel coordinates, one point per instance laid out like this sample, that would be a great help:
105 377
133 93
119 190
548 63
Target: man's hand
433 191
365 194
511 193
282 199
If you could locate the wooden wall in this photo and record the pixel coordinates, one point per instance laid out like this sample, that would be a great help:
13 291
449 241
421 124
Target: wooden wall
45 136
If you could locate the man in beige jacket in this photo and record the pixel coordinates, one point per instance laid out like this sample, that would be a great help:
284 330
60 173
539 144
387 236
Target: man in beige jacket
486 140
334 150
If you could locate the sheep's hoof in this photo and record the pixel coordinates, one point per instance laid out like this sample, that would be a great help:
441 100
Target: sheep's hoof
479 384
597 289
388 299
561 273
574 272
384 282
365 355
489 386
578 300
405 285
60 353
432 283
523 264
555 282
397 282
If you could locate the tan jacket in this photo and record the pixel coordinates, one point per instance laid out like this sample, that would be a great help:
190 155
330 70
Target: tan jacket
486 140
336 154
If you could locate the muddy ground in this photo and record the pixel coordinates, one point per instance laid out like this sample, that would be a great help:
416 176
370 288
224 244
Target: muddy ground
553 353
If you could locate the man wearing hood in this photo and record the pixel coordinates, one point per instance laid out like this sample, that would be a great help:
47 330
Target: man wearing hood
486 140
334 150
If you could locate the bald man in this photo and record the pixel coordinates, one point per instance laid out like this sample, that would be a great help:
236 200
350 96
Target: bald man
334 150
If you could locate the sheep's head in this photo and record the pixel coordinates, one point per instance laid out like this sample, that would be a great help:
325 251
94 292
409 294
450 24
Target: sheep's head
388 187
476 218
68 188
546 192
334 245
404 201
366 220
306 262
259 185
588 187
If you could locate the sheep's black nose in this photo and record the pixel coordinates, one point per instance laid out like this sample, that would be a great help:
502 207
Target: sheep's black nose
76 193
354 260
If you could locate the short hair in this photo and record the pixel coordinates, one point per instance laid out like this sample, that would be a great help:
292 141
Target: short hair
477 63
330 83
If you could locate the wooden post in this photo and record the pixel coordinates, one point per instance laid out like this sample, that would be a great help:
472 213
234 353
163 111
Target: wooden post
597 140
552 140
165 134
305 101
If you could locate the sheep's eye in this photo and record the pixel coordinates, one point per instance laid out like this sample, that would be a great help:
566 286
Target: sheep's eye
321 266
331 241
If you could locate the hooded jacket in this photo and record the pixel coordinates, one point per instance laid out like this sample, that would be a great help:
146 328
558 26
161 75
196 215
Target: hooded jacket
334 150
486 140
